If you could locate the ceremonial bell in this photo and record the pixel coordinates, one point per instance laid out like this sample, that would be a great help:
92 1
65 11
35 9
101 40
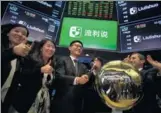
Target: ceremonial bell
119 85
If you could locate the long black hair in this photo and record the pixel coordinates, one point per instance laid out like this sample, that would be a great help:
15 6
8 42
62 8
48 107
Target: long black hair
6 28
36 54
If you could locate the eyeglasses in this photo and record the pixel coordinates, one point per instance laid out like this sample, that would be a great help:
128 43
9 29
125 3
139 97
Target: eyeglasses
76 45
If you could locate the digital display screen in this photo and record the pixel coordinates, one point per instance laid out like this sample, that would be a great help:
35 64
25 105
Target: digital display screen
40 25
94 34
134 11
141 36
91 9
53 9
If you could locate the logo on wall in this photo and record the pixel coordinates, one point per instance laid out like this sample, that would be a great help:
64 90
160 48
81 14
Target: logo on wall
75 31
137 39
22 22
133 11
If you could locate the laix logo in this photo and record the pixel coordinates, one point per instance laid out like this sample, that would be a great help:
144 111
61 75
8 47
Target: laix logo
75 31
137 39
133 10
22 22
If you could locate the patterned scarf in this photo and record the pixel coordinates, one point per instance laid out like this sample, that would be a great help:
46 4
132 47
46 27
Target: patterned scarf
42 101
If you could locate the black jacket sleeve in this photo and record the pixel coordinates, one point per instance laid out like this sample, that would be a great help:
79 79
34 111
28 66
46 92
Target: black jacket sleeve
8 54
61 74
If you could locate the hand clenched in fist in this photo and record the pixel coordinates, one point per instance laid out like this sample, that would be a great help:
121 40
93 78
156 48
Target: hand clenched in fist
47 68
82 80
22 49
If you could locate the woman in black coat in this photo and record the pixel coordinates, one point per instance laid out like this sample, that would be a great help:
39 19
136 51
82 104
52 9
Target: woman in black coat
12 36
29 79
14 48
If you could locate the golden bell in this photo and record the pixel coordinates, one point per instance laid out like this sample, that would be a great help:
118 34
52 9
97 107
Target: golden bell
119 85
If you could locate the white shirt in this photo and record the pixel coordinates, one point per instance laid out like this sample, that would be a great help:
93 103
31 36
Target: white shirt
73 59
140 69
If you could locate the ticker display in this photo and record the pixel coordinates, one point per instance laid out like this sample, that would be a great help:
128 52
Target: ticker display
91 9
53 9
134 11
41 24
141 36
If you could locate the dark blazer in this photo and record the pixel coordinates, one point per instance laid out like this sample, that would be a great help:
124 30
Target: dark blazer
6 67
6 58
66 92
92 101
65 71
26 84
148 104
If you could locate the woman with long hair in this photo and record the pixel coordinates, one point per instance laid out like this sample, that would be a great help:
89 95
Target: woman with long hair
31 90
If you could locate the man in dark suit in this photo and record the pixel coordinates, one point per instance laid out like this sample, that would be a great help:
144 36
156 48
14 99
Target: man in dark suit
156 65
93 102
148 104
72 77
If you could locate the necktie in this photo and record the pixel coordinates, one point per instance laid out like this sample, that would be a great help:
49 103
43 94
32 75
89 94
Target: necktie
76 67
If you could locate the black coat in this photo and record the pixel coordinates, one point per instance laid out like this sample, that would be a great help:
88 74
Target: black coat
6 58
7 55
68 96
65 71
150 87
26 84
92 101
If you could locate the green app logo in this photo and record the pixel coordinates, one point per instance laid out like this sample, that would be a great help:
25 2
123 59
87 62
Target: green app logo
75 32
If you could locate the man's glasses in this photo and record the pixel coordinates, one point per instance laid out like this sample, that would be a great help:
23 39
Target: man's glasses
76 45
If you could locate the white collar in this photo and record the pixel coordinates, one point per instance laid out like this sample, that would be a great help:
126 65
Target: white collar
73 58
140 69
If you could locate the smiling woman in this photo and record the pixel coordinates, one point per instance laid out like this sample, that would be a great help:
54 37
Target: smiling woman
14 37
17 35
29 91
11 32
